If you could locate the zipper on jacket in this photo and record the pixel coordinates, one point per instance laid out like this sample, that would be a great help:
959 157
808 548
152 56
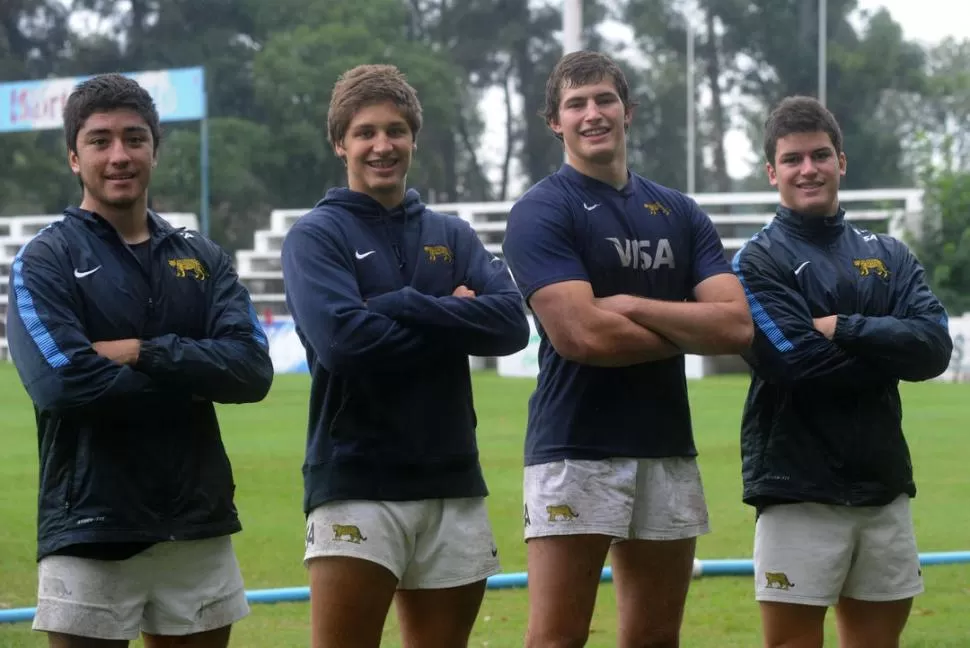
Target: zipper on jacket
395 244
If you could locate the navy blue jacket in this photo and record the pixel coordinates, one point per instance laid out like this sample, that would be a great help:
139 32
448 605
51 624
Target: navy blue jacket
132 453
370 290
823 418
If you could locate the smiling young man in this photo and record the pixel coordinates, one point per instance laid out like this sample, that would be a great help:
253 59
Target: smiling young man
624 277
390 298
125 331
842 315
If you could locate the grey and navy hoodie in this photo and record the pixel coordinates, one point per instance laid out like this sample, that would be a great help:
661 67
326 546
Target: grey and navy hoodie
370 290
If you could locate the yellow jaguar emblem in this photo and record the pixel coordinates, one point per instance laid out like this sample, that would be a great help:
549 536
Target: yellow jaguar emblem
186 267
561 513
348 533
778 580
436 252
656 208
871 266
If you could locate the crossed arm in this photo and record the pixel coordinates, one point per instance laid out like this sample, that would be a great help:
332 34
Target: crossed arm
623 330
792 346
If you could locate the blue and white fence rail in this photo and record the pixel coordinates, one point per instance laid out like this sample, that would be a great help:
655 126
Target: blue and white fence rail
723 567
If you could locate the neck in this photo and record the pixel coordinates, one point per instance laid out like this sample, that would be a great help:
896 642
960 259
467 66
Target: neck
388 198
613 173
130 222
828 212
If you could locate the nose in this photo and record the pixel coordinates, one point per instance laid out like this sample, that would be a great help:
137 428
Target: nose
807 167
382 143
592 111
119 155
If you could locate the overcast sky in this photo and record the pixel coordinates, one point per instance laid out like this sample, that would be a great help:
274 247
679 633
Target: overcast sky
927 21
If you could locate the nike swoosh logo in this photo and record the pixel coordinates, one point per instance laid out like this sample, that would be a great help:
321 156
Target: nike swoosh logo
364 255
590 207
80 275
801 267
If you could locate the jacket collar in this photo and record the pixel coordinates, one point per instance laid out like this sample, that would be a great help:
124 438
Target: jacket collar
158 226
810 226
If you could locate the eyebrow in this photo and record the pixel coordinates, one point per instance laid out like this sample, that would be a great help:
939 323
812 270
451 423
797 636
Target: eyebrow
597 95
823 149
107 131
392 124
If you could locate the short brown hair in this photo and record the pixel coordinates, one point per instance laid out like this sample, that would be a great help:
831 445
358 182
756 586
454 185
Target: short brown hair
366 85
579 69
107 93
798 114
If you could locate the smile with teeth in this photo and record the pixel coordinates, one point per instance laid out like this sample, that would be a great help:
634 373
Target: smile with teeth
121 177
382 164
595 132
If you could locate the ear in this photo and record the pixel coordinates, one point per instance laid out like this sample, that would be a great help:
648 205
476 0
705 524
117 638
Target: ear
772 174
341 152
842 164
73 162
555 126
628 117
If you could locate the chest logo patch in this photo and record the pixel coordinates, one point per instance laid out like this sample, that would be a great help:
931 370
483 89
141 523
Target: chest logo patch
439 252
656 208
636 254
868 267
189 268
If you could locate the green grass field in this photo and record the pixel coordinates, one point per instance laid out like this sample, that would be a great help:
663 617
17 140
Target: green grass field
265 442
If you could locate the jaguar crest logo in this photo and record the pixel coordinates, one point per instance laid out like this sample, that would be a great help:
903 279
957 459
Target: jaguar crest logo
436 252
656 208
561 513
348 533
778 580
189 267
868 267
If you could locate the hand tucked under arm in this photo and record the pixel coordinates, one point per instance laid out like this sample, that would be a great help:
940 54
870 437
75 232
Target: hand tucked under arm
718 323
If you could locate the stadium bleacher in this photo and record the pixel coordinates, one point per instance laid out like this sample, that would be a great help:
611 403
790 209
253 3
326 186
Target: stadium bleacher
736 216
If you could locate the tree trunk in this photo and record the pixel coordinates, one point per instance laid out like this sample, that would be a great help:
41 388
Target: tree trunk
718 121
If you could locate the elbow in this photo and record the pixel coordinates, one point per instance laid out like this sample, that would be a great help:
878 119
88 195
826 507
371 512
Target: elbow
578 347
260 384
742 336
517 339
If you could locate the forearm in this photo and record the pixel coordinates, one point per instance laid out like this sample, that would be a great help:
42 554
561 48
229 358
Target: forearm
916 348
611 340
705 328
221 370
478 325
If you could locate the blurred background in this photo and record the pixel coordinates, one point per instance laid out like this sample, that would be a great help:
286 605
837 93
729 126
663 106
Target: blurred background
252 155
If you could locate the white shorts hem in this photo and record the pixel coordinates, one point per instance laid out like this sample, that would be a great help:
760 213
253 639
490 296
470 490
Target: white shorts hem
343 553
682 533
792 599
886 598
50 611
456 582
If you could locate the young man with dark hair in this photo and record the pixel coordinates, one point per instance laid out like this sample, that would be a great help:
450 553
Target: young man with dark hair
125 331
842 315
624 277
390 298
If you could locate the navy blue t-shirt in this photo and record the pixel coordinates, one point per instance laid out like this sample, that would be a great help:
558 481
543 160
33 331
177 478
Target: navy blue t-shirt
644 240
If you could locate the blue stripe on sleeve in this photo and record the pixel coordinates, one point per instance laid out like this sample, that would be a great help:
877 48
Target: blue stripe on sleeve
761 318
28 314
258 333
